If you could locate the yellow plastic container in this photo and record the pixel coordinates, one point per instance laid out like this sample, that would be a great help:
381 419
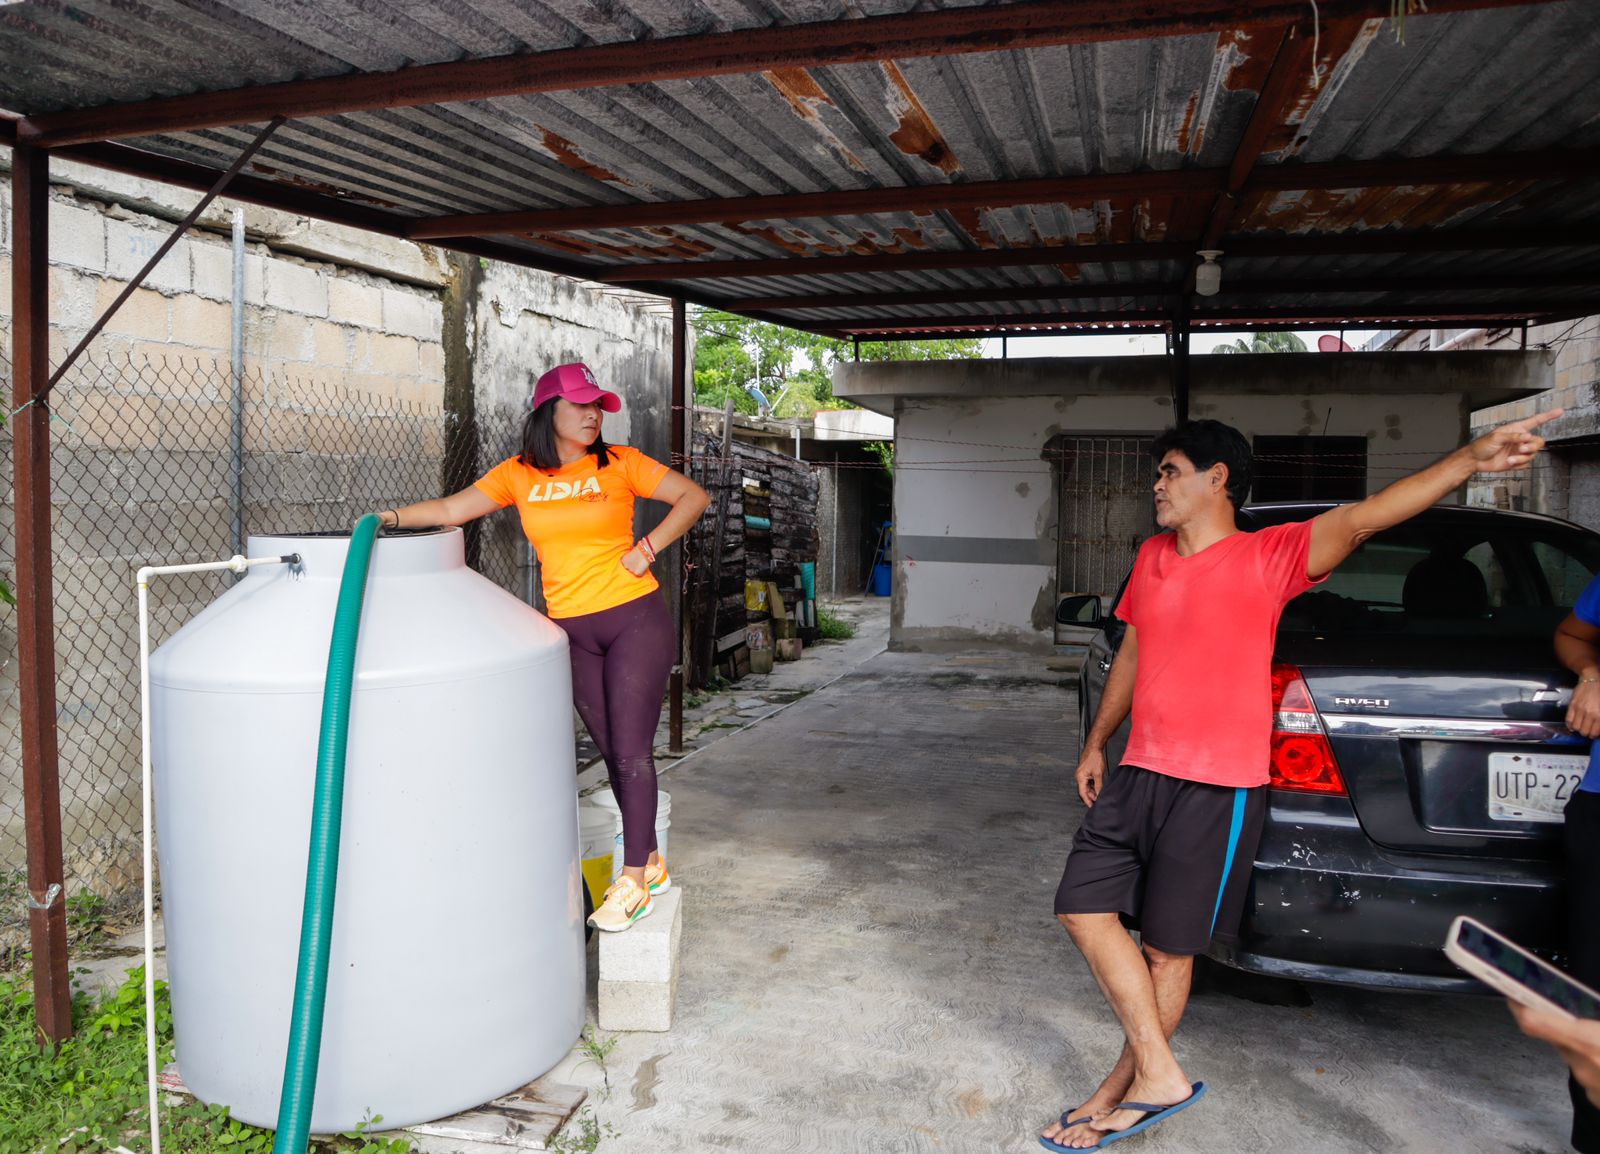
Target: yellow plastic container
598 827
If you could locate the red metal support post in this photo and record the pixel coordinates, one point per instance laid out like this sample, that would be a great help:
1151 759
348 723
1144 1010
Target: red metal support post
680 460
41 788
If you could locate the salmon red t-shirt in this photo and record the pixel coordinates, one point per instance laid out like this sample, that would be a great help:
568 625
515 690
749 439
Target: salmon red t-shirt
580 521
1202 696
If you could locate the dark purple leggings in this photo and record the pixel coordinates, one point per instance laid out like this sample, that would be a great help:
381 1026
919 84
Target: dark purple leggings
621 659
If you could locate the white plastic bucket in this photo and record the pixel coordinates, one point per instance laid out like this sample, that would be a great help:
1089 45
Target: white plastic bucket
604 799
598 829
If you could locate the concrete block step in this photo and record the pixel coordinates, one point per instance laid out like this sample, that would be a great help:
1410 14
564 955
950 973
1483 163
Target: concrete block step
639 969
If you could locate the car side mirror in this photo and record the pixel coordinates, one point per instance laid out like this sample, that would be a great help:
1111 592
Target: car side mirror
1081 609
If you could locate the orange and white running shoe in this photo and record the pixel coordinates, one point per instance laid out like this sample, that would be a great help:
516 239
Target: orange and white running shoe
625 903
657 878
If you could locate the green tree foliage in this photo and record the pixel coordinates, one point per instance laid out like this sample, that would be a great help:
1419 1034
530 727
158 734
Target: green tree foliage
791 368
1264 343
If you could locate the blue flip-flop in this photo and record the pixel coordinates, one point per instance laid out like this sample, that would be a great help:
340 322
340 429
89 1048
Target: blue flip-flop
1153 1114
1049 1145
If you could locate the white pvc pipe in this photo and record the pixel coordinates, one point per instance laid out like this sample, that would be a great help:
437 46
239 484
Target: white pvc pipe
1460 339
235 564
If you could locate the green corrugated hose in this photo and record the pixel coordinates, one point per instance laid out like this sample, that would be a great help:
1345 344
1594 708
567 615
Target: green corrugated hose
322 869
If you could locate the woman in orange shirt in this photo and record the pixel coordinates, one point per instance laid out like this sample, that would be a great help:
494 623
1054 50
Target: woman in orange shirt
575 494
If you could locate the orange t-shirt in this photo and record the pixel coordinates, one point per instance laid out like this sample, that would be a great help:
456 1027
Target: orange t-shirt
580 520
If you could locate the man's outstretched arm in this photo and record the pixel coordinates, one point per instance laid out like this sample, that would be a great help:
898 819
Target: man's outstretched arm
1336 534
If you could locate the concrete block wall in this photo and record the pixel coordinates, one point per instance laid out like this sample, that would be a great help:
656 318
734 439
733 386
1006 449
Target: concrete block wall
1566 481
141 452
345 383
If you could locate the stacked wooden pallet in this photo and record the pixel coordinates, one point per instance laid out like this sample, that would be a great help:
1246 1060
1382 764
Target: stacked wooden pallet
765 506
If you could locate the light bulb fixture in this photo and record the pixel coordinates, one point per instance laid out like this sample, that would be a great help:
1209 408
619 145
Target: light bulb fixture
1208 274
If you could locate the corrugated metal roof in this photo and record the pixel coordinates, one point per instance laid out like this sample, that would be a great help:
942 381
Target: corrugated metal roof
1519 79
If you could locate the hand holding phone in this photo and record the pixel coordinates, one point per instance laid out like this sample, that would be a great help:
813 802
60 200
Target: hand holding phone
1577 1040
1500 963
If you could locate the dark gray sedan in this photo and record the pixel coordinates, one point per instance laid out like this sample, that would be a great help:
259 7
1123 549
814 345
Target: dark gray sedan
1420 762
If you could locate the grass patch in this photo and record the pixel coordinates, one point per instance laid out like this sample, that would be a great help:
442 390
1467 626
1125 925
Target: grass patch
832 627
89 1093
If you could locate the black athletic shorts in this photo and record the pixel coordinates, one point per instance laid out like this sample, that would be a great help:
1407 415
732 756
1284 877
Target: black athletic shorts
1173 857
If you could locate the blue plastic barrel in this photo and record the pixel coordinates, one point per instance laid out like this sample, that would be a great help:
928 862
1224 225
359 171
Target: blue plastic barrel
882 579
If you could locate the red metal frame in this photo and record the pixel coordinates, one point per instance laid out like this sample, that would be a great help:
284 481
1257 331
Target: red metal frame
846 202
1292 58
1321 286
1033 24
680 460
1228 186
1472 240
1241 320
41 782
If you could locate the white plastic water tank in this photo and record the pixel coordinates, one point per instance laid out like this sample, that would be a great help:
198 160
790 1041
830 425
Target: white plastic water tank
457 969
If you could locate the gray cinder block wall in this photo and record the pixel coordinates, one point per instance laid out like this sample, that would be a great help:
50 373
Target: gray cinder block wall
349 342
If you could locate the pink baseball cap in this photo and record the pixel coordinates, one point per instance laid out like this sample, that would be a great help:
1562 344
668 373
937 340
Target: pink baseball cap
576 383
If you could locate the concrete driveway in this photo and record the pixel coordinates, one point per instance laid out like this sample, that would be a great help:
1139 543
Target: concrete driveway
870 962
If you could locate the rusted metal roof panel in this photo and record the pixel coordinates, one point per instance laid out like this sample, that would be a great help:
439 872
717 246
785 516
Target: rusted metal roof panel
1510 80
1494 81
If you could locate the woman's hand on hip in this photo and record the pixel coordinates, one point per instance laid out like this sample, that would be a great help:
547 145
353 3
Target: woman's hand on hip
634 562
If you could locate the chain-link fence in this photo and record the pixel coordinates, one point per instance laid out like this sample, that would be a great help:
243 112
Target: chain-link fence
163 460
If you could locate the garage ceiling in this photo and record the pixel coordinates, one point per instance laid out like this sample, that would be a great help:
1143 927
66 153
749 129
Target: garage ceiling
882 167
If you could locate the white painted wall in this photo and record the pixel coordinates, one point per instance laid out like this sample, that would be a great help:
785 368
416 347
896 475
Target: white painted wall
975 508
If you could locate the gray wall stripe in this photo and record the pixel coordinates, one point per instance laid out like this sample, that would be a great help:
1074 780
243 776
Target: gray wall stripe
978 550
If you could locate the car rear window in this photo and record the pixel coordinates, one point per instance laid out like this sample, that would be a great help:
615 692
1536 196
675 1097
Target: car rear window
1491 577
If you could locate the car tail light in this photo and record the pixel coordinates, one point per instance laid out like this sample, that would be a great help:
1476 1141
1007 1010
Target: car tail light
1302 759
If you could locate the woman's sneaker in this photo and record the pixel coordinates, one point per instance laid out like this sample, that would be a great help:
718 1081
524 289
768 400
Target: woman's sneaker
625 903
657 878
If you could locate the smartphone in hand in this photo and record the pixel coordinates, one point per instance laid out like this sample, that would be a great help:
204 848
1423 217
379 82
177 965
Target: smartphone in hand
1500 963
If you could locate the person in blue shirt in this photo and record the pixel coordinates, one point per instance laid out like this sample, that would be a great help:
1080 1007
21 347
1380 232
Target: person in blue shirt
1578 648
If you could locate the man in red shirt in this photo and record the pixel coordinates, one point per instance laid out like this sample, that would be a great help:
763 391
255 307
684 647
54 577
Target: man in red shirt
1169 838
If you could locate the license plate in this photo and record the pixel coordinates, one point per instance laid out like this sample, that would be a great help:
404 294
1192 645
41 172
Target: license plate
1533 786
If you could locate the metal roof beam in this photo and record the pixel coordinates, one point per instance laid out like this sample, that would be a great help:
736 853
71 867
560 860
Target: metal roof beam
1158 323
896 262
1032 24
1321 286
271 194
1228 186
1476 168
955 296
911 326
1155 252
1293 59
914 198
1384 242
